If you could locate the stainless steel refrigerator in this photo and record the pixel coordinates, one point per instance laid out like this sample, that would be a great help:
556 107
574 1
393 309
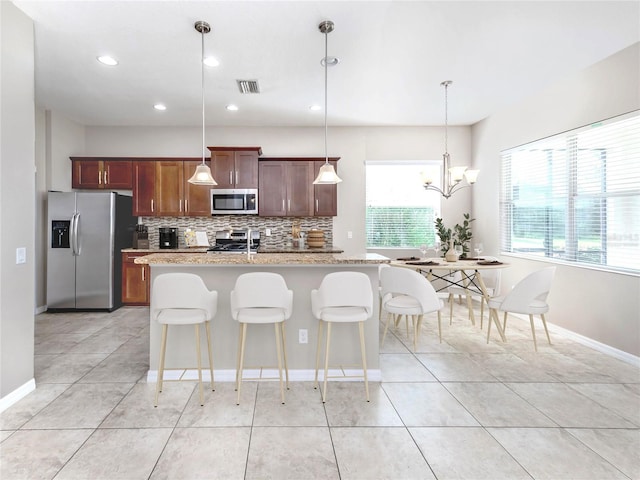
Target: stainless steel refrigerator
87 231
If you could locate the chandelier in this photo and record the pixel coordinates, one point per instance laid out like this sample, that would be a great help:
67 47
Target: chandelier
451 177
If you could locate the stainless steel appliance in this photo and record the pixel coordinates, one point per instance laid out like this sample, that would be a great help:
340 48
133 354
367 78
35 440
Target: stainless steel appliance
234 201
87 231
236 241
168 237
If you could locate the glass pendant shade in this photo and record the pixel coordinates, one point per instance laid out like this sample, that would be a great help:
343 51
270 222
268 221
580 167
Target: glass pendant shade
327 176
471 176
202 176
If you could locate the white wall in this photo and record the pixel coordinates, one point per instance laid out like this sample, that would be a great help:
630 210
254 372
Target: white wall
599 305
17 202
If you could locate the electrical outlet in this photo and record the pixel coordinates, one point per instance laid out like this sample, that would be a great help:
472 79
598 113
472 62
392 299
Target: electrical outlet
349 234
21 255
303 335
267 232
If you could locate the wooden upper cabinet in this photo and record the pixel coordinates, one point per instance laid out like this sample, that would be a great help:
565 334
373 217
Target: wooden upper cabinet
101 173
169 188
325 196
285 188
197 198
144 188
235 167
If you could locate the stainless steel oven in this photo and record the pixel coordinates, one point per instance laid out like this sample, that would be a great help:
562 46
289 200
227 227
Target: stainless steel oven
236 201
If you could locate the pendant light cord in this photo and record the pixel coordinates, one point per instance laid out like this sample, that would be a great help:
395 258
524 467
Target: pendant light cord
326 62
202 85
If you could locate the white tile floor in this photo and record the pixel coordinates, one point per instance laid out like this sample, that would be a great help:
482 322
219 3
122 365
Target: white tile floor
460 409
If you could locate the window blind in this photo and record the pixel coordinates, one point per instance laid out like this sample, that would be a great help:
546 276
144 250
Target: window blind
399 212
575 196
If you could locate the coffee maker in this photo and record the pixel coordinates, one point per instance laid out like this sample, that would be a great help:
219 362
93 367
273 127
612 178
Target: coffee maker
168 237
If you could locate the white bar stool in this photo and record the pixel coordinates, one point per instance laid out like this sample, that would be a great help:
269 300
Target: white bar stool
343 297
183 299
261 297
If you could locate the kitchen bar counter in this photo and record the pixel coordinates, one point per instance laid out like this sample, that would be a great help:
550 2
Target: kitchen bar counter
177 258
269 250
303 273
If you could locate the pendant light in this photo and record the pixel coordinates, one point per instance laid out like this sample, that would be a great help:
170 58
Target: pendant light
327 174
451 176
202 175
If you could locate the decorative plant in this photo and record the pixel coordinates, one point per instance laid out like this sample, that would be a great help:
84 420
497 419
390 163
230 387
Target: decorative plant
461 234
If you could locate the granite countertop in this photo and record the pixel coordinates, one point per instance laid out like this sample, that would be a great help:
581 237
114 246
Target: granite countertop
177 258
269 250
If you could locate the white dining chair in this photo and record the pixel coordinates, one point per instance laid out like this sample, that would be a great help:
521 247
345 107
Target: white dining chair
406 292
261 298
183 299
528 296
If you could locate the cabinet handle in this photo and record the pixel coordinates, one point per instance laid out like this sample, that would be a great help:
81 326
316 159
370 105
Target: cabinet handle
283 205
99 178
152 205
317 208
180 207
230 177
289 205
186 205
143 279
105 177
237 176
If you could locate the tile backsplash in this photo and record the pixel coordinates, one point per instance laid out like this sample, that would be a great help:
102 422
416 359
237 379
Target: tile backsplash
280 227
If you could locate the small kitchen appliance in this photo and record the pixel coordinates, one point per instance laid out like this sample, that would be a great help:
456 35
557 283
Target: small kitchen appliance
237 201
235 241
168 237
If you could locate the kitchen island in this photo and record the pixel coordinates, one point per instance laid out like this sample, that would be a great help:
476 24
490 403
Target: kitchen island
302 272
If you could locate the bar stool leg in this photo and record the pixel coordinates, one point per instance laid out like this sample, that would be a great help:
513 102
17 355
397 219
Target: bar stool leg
318 345
279 354
326 363
207 328
241 361
199 364
364 358
163 349
284 351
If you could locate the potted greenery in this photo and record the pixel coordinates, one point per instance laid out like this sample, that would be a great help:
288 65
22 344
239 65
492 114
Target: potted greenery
460 234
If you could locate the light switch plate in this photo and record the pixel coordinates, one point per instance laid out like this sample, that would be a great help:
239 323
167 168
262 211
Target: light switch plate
21 255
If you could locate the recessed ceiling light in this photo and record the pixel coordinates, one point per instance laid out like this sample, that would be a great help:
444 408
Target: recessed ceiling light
211 62
107 60
315 108
232 108
160 106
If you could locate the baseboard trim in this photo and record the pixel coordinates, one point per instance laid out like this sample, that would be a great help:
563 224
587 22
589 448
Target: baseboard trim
588 342
41 309
17 395
335 375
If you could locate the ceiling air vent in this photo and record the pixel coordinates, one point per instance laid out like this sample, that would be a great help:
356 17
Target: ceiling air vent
248 86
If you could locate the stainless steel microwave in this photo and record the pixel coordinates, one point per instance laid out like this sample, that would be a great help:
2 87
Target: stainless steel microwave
235 201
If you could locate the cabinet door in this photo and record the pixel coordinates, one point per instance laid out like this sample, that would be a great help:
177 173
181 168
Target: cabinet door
144 178
169 188
86 174
223 169
135 281
326 196
272 191
117 174
246 169
197 198
300 188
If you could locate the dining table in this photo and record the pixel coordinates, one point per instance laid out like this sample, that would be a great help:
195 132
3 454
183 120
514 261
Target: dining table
470 277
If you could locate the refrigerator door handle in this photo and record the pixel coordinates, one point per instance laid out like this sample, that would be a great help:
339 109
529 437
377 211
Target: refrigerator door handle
74 234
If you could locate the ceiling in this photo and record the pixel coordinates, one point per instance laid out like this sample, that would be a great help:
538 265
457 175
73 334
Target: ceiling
393 56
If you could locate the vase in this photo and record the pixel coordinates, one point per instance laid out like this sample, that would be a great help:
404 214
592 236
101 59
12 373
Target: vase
451 255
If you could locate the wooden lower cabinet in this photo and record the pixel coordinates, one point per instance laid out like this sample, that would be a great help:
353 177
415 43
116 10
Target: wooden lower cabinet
135 280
